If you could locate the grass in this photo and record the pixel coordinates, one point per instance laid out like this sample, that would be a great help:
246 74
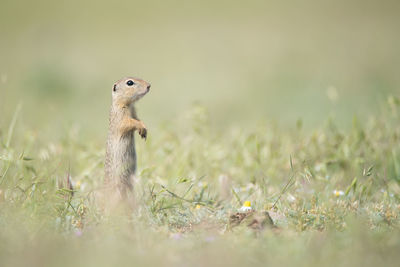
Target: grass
334 195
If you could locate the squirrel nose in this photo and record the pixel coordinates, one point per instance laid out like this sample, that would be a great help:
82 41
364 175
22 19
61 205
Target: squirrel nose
148 87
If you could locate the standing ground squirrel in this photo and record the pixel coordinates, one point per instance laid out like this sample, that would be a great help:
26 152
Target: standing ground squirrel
120 162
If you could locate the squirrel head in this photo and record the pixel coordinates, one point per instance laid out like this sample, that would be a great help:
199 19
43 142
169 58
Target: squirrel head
128 90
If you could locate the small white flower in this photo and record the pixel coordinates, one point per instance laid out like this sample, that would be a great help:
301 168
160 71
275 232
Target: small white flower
202 184
338 193
291 198
246 207
318 167
78 185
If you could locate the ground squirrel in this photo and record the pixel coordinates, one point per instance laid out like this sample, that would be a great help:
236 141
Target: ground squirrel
120 162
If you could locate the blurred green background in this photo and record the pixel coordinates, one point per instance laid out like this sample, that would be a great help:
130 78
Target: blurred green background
244 60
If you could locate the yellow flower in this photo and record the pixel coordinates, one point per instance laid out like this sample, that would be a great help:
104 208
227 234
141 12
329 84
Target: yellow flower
197 207
246 207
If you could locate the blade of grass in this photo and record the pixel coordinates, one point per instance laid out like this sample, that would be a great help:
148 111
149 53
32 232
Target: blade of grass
289 183
12 125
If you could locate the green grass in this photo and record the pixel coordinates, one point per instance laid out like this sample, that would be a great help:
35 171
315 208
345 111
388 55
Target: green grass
192 177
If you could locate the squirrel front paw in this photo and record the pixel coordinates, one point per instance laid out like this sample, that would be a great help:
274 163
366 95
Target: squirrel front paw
142 130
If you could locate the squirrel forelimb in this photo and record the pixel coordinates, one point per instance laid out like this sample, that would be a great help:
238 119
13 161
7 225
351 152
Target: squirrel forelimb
130 124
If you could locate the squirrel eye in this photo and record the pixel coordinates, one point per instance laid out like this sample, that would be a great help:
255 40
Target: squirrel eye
130 83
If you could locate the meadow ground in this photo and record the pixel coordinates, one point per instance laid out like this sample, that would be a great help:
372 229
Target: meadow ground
336 193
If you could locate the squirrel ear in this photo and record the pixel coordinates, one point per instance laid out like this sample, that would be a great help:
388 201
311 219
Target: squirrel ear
115 88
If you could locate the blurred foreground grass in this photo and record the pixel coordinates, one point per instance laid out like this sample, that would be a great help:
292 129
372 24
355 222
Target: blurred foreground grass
341 208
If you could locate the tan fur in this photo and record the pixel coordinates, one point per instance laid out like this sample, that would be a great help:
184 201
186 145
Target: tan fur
120 162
